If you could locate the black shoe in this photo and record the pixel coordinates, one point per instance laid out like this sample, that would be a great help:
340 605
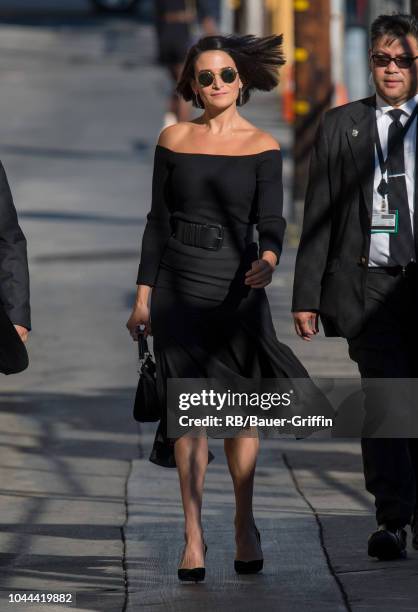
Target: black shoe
195 574
414 528
249 567
387 544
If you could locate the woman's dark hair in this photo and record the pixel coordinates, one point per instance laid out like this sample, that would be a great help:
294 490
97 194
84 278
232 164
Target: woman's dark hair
397 25
257 59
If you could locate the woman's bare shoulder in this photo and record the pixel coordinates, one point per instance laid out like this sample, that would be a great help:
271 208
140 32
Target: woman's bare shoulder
171 135
264 141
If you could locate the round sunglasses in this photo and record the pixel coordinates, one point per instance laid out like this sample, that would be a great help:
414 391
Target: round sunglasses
402 61
206 77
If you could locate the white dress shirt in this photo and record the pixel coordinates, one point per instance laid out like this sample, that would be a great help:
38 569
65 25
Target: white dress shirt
379 244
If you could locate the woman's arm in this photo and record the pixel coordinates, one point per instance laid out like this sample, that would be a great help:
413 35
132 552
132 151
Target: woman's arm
156 233
271 224
157 229
140 314
143 294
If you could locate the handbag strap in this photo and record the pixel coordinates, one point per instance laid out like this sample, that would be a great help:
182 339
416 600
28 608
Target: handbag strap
143 350
142 346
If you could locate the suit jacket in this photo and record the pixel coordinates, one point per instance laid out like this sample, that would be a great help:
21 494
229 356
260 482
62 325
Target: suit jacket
14 283
332 259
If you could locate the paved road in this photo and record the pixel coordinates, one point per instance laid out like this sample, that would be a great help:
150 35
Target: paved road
82 508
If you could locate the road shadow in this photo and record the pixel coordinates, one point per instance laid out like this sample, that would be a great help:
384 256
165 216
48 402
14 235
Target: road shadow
64 461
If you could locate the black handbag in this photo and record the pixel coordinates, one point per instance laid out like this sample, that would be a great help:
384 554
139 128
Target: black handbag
146 407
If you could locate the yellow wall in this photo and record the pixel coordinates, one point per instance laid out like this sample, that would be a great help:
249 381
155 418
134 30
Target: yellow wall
279 20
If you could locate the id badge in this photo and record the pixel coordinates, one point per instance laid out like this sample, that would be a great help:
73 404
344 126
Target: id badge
385 222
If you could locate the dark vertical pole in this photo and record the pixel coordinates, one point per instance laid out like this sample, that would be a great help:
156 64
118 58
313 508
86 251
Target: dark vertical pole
237 6
313 86
414 7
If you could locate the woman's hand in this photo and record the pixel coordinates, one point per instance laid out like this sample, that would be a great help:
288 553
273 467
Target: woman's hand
23 332
260 274
140 316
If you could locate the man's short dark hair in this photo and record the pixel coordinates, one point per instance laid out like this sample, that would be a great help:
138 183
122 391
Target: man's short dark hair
397 25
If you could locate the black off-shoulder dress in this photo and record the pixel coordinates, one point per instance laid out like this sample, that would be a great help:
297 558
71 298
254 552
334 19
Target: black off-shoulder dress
205 321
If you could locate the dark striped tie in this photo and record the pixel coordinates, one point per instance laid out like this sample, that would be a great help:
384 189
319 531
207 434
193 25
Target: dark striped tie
402 248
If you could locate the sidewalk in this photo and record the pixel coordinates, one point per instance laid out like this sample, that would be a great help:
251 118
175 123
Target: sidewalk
63 469
295 576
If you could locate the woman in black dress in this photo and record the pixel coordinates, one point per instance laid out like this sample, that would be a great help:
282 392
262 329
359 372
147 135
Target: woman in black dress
209 311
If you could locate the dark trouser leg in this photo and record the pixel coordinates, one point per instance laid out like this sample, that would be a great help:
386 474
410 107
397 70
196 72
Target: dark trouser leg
389 477
381 350
413 449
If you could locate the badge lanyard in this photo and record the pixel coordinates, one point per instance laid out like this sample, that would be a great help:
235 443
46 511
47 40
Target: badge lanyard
383 188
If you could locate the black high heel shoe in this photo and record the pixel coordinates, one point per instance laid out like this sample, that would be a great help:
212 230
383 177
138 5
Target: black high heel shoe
195 574
250 567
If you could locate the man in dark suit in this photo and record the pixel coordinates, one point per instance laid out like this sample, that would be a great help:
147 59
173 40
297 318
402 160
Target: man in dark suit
14 285
356 264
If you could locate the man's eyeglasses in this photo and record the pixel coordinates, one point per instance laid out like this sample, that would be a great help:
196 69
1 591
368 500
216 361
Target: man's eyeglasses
206 77
402 61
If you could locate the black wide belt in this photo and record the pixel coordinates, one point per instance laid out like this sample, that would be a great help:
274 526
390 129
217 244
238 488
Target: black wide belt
212 236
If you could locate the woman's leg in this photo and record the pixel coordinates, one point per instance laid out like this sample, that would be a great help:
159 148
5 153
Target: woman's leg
241 454
192 459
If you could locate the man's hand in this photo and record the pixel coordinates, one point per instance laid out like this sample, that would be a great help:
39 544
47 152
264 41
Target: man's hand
23 332
306 324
